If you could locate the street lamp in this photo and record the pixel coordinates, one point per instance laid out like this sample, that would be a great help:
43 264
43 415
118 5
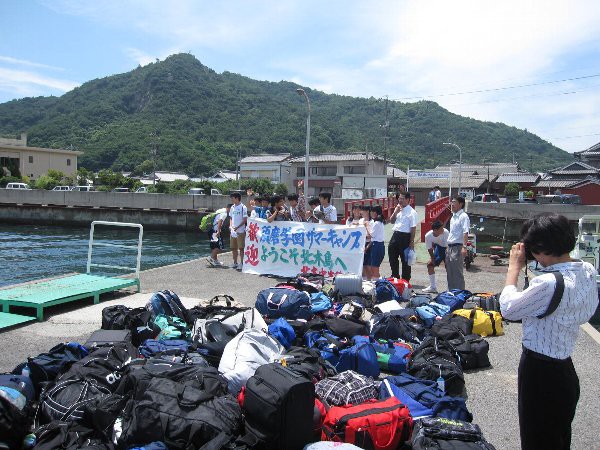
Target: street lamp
459 163
301 92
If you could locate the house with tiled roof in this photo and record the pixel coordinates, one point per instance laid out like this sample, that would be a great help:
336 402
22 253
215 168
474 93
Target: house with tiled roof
525 180
577 177
590 156
274 167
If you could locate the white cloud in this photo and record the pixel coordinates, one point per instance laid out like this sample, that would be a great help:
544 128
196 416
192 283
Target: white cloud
30 83
23 62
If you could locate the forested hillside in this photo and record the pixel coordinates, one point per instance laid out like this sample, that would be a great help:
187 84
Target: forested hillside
205 118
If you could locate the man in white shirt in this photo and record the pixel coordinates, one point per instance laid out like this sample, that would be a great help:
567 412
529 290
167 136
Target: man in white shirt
326 212
237 226
438 193
405 221
436 241
457 244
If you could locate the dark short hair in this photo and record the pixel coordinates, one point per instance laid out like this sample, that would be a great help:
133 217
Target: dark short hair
235 195
406 195
377 210
436 225
356 206
460 199
550 234
259 199
436 187
365 208
292 197
325 195
314 202
275 199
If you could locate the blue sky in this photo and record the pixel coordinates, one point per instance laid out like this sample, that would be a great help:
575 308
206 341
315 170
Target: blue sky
534 64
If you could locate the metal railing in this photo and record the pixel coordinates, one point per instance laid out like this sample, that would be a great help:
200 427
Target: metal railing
436 210
387 205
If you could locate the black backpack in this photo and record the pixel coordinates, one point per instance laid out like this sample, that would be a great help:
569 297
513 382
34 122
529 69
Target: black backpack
104 366
180 415
70 436
279 405
449 327
447 434
14 424
391 326
64 400
436 357
347 327
101 413
309 363
46 366
472 350
138 376
137 320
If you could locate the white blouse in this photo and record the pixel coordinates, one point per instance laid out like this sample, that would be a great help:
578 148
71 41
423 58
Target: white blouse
555 334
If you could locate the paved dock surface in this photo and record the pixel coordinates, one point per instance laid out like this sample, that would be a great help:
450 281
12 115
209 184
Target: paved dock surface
492 392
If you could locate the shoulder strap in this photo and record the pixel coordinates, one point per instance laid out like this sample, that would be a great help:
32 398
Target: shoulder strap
557 296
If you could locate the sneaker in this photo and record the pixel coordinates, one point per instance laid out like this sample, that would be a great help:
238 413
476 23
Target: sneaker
430 290
218 263
234 266
240 266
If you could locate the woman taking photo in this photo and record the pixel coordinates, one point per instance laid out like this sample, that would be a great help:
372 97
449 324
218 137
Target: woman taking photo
552 308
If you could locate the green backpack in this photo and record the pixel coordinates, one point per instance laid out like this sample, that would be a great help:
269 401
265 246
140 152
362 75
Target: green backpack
172 328
206 223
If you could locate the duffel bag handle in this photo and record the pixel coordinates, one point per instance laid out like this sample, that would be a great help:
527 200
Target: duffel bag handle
191 399
228 299
393 425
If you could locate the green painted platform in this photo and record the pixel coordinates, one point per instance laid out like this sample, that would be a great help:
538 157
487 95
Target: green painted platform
9 320
39 295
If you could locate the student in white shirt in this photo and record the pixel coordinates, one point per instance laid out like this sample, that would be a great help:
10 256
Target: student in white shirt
355 219
237 226
457 244
214 236
436 241
365 212
326 212
377 251
405 221
548 386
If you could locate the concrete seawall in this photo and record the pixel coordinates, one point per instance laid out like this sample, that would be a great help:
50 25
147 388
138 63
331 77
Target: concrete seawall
81 216
526 211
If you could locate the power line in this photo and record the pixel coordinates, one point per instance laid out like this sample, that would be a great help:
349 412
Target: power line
573 137
504 88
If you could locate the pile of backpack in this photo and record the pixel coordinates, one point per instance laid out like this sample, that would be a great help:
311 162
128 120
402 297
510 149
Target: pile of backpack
315 363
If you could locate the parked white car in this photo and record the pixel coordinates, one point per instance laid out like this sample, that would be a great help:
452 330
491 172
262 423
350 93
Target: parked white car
62 188
196 191
142 190
17 186
84 188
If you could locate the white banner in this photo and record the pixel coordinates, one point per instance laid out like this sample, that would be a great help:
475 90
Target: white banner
288 248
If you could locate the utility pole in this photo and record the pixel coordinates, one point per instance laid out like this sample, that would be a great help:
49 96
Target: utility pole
155 135
386 127
237 168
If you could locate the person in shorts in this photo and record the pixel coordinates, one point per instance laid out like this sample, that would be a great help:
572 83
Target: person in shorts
238 217
215 238
436 242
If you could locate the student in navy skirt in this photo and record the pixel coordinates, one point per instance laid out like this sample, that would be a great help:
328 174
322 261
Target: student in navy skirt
377 250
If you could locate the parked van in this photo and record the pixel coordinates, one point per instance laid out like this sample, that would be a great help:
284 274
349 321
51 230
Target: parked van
486 198
570 199
121 189
17 186
196 191
84 188
142 190
214 191
62 188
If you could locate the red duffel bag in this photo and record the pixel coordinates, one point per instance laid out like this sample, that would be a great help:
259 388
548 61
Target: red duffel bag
375 424
403 287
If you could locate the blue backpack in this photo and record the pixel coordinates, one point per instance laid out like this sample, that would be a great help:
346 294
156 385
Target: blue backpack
283 332
167 303
152 446
283 302
385 291
319 302
392 356
433 401
455 298
152 347
430 312
357 354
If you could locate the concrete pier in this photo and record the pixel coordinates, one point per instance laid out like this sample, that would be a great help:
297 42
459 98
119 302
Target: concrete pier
492 392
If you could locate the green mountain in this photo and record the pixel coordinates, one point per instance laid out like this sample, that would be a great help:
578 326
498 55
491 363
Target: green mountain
205 119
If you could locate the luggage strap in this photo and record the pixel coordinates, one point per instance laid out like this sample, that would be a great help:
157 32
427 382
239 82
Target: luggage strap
557 296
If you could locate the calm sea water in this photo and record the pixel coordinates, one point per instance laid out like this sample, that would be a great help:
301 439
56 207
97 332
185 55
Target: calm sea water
29 252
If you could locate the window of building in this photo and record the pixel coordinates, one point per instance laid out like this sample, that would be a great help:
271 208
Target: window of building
300 172
325 171
68 162
352 170
30 159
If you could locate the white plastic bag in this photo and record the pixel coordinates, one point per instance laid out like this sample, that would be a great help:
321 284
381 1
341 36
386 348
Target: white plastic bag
410 256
